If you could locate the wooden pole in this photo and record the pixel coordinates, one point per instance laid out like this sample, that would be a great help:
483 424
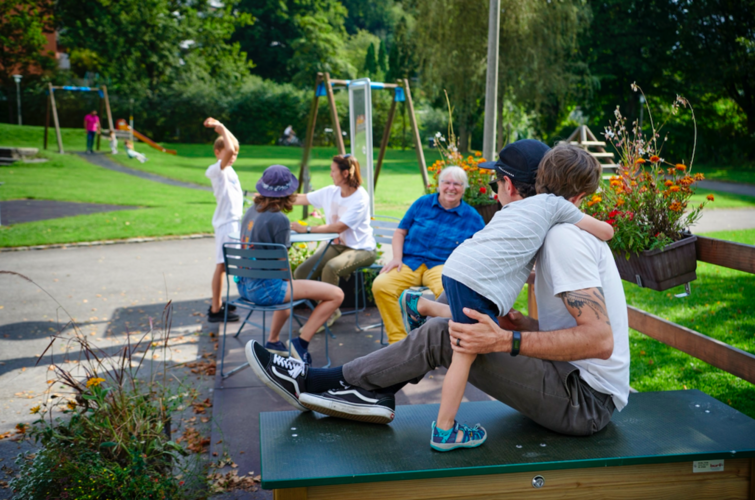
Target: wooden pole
47 120
304 168
334 116
415 132
107 109
55 118
386 137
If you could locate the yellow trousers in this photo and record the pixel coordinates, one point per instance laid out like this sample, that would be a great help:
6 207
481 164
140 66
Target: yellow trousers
387 289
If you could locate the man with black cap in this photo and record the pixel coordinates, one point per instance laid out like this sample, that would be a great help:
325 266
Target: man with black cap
573 371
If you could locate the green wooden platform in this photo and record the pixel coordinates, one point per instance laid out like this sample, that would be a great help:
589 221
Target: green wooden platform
307 449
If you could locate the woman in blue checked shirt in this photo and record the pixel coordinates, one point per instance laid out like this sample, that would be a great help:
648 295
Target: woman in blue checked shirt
432 228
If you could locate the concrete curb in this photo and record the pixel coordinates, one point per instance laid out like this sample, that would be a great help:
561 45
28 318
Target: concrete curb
106 242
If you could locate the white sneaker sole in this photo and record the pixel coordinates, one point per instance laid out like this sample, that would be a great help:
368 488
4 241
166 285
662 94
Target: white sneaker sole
262 374
369 414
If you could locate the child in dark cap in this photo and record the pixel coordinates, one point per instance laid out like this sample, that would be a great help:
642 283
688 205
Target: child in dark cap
265 222
487 271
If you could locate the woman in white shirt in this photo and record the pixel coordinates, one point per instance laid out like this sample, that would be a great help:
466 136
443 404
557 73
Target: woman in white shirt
347 212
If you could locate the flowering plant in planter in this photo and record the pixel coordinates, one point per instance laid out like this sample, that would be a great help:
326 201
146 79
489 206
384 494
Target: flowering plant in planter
479 192
648 200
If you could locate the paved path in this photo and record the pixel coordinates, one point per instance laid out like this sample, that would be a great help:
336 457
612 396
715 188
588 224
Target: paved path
101 159
728 187
115 288
725 220
19 211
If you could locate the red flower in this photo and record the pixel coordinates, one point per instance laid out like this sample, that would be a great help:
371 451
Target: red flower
483 190
613 214
495 196
611 221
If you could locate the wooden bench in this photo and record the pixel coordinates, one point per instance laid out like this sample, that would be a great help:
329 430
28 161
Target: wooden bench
676 444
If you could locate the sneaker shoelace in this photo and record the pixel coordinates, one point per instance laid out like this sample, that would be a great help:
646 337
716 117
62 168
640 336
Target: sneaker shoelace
293 366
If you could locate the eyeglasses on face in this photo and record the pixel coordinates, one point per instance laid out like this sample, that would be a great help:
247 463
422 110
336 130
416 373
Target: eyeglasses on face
452 183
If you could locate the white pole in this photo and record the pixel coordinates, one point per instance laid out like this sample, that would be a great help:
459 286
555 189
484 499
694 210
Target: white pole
491 86
18 95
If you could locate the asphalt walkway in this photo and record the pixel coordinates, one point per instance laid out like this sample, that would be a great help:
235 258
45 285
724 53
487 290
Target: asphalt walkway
101 160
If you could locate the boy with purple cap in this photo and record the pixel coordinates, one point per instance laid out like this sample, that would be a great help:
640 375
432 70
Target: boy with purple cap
487 271
265 222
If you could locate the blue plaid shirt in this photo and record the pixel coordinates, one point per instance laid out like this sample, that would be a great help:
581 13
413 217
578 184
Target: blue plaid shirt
434 232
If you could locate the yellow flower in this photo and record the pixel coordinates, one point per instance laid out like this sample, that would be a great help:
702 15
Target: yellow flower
94 382
71 405
303 223
301 245
35 410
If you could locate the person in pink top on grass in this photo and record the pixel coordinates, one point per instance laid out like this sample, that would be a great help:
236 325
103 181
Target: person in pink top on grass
92 126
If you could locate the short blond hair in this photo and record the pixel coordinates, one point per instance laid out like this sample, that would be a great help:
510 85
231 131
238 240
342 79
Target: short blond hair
220 144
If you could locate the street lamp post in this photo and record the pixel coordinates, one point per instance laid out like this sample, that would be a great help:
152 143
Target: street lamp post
491 86
18 95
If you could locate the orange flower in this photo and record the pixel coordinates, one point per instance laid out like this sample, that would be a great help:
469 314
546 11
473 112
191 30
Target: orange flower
674 189
681 166
620 202
668 183
640 161
699 177
477 153
711 197
655 159
675 206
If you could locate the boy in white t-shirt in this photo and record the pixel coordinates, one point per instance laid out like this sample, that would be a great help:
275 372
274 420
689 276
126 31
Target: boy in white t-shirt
486 272
228 213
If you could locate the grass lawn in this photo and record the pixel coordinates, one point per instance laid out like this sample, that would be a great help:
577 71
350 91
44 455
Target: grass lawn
744 174
721 307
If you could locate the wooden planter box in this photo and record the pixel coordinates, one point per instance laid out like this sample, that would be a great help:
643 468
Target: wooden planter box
487 211
661 269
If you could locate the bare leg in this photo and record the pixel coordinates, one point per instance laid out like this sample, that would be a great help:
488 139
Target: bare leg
433 309
330 298
453 390
217 288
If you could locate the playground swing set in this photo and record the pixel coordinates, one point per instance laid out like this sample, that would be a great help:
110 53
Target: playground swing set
123 129
360 118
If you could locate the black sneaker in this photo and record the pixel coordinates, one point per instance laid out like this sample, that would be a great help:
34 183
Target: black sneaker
231 307
219 316
283 375
352 403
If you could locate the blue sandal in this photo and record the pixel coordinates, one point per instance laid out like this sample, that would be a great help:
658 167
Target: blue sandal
446 440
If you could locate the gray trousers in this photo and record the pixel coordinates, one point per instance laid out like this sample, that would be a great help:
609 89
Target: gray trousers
549 392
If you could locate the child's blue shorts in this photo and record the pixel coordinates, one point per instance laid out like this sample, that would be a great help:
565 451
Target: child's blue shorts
460 296
263 292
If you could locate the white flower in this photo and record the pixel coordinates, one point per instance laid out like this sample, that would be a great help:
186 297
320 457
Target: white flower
442 139
609 133
437 134
634 86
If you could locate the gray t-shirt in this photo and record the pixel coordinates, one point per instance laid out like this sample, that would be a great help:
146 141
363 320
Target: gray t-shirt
265 227
497 260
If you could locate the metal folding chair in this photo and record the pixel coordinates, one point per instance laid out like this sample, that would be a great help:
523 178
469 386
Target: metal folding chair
383 227
260 261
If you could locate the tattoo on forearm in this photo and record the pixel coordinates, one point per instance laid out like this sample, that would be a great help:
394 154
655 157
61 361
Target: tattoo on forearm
583 299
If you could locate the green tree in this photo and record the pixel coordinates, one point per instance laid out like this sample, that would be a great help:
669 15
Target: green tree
382 58
402 61
320 48
146 45
23 24
370 61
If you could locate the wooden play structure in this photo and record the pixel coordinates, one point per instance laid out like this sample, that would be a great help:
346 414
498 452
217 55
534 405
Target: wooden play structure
585 139
102 91
324 86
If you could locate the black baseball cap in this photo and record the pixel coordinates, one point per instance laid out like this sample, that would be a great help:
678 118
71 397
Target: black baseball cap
518 161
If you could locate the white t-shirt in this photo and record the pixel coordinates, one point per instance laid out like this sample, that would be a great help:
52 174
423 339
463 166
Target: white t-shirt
572 259
353 211
497 260
228 193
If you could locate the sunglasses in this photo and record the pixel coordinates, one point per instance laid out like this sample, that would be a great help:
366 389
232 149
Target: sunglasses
494 185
